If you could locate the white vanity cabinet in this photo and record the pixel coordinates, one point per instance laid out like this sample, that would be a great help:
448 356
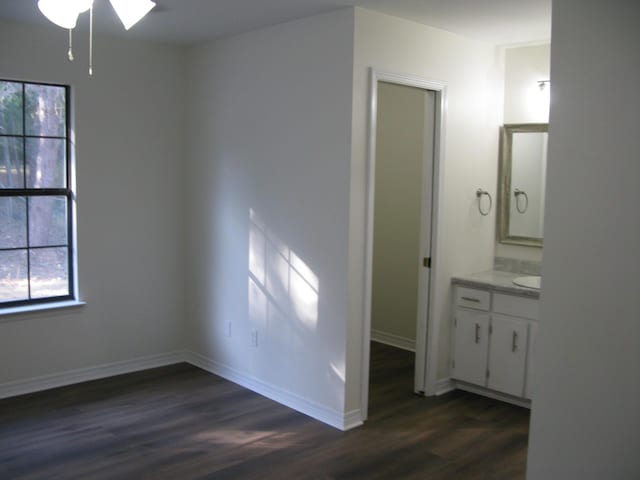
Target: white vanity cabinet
472 341
507 355
533 333
493 337
471 335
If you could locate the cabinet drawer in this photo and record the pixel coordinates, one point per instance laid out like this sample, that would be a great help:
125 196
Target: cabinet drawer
472 298
516 306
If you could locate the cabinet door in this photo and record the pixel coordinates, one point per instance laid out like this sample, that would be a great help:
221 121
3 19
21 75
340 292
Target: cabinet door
471 340
507 355
533 333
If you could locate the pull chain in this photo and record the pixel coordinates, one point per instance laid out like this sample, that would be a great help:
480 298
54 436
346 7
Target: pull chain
91 41
70 52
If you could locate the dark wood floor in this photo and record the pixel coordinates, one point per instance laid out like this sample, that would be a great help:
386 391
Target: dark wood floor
180 422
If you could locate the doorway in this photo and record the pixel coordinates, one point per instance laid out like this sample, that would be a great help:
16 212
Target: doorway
405 148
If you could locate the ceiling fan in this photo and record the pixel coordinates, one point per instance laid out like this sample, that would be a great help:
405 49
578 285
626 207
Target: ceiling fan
65 13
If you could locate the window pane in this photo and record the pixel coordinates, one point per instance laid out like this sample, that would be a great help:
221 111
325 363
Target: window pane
11 162
49 272
13 222
13 276
47 221
46 162
10 108
45 111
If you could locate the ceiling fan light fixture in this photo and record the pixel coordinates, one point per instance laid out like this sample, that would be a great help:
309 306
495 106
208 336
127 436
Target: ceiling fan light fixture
62 13
131 12
83 5
65 13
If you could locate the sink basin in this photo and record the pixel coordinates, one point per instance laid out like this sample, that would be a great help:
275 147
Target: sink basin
532 281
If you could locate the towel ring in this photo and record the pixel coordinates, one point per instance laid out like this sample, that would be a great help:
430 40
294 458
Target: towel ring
521 193
480 193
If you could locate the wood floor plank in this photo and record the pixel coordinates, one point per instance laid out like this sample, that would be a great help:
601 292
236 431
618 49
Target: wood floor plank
179 422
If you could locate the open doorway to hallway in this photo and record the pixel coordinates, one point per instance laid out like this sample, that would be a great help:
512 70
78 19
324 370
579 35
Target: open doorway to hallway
406 116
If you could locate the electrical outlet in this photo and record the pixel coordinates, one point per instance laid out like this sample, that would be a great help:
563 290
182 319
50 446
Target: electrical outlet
227 330
254 338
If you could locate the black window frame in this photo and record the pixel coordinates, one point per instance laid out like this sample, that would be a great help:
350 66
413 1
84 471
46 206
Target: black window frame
68 192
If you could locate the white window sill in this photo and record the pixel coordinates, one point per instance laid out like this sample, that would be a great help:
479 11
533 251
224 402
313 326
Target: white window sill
41 307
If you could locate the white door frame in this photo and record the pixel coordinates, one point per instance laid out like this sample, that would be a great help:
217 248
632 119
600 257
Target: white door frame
427 325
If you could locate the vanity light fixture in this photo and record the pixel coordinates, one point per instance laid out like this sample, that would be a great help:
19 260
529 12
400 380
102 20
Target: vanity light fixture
65 13
543 84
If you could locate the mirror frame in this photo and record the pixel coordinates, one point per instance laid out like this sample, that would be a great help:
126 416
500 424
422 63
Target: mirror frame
504 182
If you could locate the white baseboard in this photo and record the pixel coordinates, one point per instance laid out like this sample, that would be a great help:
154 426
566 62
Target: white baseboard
352 419
393 340
334 418
521 402
37 384
445 385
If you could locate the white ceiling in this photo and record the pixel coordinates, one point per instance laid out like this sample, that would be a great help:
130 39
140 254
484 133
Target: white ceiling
500 22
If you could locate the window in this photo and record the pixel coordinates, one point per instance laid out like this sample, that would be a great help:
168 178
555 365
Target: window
36 195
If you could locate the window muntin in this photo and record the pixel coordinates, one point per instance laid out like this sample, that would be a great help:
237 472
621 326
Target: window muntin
36 196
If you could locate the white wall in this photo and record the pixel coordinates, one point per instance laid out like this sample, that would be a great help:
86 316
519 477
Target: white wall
400 141
130 193
473 72
268 197
524 102
585 418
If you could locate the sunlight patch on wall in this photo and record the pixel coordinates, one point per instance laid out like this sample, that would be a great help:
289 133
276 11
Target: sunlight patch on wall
338 371
280 279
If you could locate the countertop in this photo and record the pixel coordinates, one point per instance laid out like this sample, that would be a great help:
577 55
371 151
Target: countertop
497 281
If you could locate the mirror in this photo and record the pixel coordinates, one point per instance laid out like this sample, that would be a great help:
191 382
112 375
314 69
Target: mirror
521 183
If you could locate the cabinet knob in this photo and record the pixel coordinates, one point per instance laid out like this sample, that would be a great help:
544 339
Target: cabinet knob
514 343
477 333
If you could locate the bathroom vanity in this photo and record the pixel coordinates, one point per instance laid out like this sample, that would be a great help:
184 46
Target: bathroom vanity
494 325
495 313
